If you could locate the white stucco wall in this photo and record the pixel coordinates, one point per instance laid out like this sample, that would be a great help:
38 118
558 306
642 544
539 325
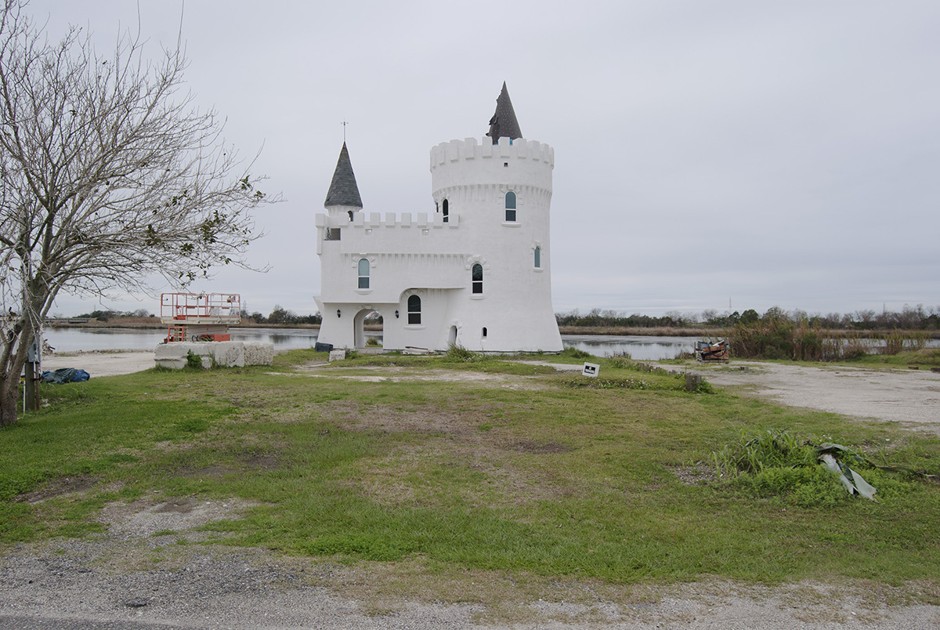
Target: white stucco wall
421 254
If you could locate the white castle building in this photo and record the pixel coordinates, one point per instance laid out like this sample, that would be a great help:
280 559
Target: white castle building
475 272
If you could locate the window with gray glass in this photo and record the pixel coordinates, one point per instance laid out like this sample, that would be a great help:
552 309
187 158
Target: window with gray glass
414 309
476 278
511 206
363 273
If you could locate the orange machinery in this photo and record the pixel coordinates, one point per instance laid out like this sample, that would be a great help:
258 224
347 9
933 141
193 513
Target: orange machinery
199 316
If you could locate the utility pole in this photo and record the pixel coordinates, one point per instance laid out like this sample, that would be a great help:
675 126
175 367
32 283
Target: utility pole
33 372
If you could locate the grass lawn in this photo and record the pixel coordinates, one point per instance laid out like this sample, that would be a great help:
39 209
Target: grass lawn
474 464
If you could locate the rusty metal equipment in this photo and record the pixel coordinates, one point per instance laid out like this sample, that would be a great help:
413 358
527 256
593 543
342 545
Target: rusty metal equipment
712 350
199 316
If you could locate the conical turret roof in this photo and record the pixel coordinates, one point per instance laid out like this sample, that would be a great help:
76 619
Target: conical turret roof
504 123
343 188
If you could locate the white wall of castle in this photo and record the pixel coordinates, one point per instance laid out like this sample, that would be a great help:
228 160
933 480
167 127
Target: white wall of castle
421 254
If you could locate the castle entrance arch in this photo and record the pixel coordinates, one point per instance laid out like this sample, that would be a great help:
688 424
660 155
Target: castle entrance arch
367 324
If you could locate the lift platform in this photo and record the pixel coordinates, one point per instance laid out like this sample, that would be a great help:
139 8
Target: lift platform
199 316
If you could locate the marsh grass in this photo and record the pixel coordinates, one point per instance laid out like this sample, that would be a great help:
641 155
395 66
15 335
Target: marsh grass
466 475
777 463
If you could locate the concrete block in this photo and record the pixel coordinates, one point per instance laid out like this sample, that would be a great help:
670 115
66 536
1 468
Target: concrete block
213 354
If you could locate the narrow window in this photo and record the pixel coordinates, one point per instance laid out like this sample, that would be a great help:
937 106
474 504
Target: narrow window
538 257
363 273
484 332
414 309
476 276
510 206
445 210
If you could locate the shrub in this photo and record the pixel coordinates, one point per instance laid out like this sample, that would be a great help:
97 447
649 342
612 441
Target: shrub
898 341
771 449
460 354
779 464
193 360
575 353
622 361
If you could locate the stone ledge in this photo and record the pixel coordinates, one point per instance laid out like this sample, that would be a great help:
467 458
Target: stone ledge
213 354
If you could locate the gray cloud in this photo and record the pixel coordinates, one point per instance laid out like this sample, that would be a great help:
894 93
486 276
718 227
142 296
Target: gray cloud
767 153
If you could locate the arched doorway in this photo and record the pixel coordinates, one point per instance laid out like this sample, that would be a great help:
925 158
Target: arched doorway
452 337
368 328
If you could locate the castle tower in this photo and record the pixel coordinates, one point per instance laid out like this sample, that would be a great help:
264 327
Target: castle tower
475 271
343 196
502 191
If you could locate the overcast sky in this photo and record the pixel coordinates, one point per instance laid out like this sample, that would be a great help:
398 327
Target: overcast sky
707 154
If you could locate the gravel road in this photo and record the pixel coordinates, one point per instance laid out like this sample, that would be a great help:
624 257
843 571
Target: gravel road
908 397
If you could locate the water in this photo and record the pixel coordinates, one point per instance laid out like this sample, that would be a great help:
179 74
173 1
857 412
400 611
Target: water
641 347
76 339
647 348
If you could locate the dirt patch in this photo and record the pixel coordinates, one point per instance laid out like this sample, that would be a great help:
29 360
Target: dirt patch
145 517
58 487
409 374
350 414
474 472
695 475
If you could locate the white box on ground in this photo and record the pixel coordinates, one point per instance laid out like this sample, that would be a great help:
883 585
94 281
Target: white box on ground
590 369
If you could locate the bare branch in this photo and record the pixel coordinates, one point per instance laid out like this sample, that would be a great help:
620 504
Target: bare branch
109 174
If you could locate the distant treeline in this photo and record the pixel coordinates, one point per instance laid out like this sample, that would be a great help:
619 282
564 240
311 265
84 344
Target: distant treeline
909 318
279 315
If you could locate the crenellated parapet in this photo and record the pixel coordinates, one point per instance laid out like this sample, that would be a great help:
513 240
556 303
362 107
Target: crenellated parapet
469 149
508 163
376 220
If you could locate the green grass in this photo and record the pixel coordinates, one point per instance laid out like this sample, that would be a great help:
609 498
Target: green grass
925 358
519 471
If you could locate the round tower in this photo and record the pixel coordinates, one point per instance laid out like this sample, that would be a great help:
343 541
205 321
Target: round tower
500 190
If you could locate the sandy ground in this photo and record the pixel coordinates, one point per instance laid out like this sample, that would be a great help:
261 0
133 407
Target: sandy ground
101 363
150 570
908 397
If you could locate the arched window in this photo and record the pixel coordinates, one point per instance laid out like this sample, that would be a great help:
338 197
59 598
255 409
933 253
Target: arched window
445 211
476 277
484 332
363 273
537 258
414 309
511 206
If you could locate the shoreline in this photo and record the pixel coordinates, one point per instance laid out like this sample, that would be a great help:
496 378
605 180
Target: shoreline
612 331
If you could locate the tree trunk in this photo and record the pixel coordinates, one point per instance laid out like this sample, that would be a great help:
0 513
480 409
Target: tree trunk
8 398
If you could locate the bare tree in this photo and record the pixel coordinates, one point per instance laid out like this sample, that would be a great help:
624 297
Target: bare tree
108 174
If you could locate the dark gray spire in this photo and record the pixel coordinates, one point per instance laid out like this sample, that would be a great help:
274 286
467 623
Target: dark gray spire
504 123
343 188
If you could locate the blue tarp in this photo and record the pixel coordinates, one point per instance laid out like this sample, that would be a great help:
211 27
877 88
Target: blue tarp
65 375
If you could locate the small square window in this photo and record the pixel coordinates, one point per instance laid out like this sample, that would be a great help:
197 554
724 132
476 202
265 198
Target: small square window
506 164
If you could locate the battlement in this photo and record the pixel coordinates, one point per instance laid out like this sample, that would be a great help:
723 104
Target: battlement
469 149
376 220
